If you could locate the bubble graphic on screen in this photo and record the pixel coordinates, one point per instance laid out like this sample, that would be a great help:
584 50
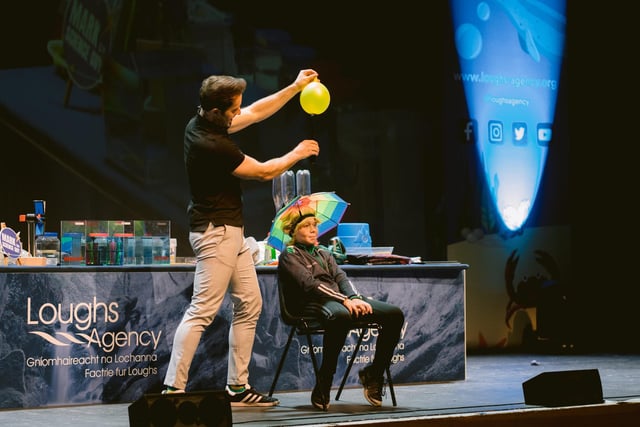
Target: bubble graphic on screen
484 11
468 41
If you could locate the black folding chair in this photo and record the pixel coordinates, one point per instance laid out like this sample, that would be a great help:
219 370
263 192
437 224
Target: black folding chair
310 325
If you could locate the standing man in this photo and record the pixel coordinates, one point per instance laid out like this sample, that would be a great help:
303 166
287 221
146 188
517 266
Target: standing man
215 166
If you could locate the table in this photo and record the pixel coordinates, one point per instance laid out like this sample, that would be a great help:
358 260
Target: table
80 335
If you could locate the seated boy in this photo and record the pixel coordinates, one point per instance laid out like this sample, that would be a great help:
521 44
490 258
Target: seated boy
313 278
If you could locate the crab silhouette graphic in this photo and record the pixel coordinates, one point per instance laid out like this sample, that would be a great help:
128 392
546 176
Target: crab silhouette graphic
543 292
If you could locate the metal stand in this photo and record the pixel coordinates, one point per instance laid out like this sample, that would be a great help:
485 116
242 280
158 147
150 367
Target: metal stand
35 224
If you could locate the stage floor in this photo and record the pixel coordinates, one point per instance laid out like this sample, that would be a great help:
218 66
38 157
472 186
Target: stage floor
493 385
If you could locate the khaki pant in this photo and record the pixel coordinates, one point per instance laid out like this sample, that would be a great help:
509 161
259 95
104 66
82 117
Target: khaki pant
223 263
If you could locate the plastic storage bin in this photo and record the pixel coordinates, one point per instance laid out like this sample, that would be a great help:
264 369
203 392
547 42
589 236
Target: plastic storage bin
72 248
152 241
48 246
354 234
72 242
97 249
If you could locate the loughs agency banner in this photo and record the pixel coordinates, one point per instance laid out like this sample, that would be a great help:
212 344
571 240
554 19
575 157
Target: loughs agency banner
105 337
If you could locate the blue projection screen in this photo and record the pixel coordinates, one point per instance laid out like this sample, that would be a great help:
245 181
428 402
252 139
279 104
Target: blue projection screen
510 54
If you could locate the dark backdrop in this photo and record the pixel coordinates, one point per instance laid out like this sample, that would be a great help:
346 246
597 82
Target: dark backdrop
386 67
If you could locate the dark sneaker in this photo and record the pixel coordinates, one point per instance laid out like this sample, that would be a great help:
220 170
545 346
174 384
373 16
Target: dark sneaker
250 397
321 394
373 386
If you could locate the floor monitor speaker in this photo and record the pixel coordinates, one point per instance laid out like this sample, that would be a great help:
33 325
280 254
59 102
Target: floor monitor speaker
564 388
205 409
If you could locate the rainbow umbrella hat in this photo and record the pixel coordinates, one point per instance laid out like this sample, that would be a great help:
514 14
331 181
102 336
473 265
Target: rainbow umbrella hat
327 206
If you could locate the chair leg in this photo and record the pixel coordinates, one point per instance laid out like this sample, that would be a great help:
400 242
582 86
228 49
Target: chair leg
391 390
282 359
316 369
353 358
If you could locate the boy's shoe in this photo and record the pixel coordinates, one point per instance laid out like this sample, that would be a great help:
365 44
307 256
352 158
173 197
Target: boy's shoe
373 386
172 390
321 394
249 397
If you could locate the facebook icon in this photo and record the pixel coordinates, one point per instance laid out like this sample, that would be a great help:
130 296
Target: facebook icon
470 127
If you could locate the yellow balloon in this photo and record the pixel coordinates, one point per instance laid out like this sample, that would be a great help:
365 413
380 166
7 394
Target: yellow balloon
315 98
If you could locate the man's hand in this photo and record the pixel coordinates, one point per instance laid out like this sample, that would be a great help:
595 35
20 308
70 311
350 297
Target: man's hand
358 307
304 78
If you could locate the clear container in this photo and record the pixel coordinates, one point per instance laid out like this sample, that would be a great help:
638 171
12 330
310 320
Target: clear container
288 181
128 248
354 234
116 249
161 250
276 192
48 246
144 250
97 249
152 241
72 248
173 250
303 182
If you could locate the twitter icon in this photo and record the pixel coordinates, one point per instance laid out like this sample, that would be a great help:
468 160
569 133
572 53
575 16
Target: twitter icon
519 133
